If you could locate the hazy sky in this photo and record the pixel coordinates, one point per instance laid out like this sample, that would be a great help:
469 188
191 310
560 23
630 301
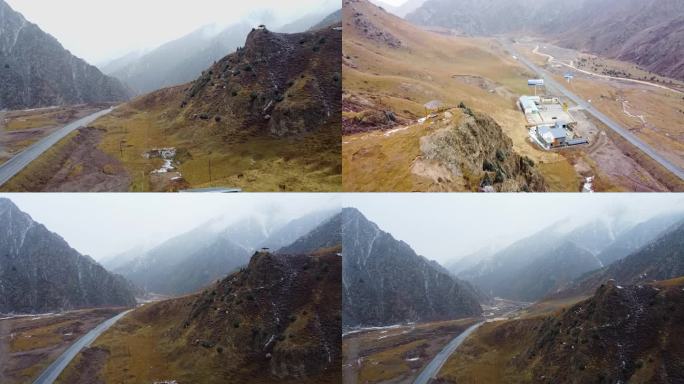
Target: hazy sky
444 227
103 224
97 30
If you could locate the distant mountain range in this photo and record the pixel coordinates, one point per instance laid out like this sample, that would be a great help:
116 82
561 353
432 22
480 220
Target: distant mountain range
646 32
190 261
662 258
551 259
40 272
36 71
385 282
277 319
401 10
184 59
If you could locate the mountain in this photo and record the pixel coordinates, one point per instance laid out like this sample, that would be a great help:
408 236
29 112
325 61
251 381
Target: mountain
637 237
661 259
330 20
277 320
401 10
195 259
36 71
621 334
385 282
297 228
40 272
648 33
544 262
178 61
392 69
326 236
281 84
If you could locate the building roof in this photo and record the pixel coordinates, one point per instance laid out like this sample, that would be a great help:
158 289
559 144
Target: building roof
549 134
528 103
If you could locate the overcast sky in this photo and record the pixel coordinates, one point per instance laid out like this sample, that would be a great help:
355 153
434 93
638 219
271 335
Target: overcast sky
445 227
102 224
98 30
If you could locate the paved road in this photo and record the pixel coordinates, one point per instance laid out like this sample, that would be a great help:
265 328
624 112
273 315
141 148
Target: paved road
14 165
431 370
51 373
556 86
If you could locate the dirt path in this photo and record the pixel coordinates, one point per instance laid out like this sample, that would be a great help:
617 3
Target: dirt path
553 59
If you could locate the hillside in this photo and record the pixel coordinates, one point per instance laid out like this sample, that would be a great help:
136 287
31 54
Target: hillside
661 259
197 258
264 118
33 280
326 236
544 262
391 70
36 71
648 33
620 334
277 320
385 282
637 237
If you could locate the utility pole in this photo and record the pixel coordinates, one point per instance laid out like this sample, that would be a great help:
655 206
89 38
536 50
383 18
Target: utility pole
210 170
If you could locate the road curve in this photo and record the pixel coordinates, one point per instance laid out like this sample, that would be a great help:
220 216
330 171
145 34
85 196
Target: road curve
14 165
554 85
51 373
431 370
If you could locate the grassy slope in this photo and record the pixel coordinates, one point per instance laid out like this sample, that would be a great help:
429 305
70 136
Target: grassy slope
403 79
307 163
505 351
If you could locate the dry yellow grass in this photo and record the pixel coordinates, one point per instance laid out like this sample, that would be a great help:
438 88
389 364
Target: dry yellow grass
428 67
307 163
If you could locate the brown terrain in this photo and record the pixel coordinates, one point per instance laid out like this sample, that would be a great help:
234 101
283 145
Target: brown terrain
396 354
392 68
620 334
20 129
72 165
28 344
277 320
264 118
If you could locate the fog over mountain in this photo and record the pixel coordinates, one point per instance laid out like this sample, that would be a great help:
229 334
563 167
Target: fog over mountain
99 31
103 225
448 228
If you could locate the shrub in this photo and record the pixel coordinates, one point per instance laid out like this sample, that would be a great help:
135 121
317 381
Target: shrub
499 177
236 324
500 155
488 166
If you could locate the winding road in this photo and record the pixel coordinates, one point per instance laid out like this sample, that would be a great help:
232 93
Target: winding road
431 370
14 165
557 87
51 373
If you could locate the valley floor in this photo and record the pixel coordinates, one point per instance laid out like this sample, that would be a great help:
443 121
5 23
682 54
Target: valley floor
29 344
114 155
381 151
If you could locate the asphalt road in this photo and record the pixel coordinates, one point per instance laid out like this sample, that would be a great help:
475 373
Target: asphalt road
14 165
51 373
550 83
431 370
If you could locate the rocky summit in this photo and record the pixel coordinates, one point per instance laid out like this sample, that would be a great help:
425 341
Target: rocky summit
385 282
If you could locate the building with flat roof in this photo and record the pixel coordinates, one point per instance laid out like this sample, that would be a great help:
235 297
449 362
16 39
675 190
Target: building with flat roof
552 136
528 104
